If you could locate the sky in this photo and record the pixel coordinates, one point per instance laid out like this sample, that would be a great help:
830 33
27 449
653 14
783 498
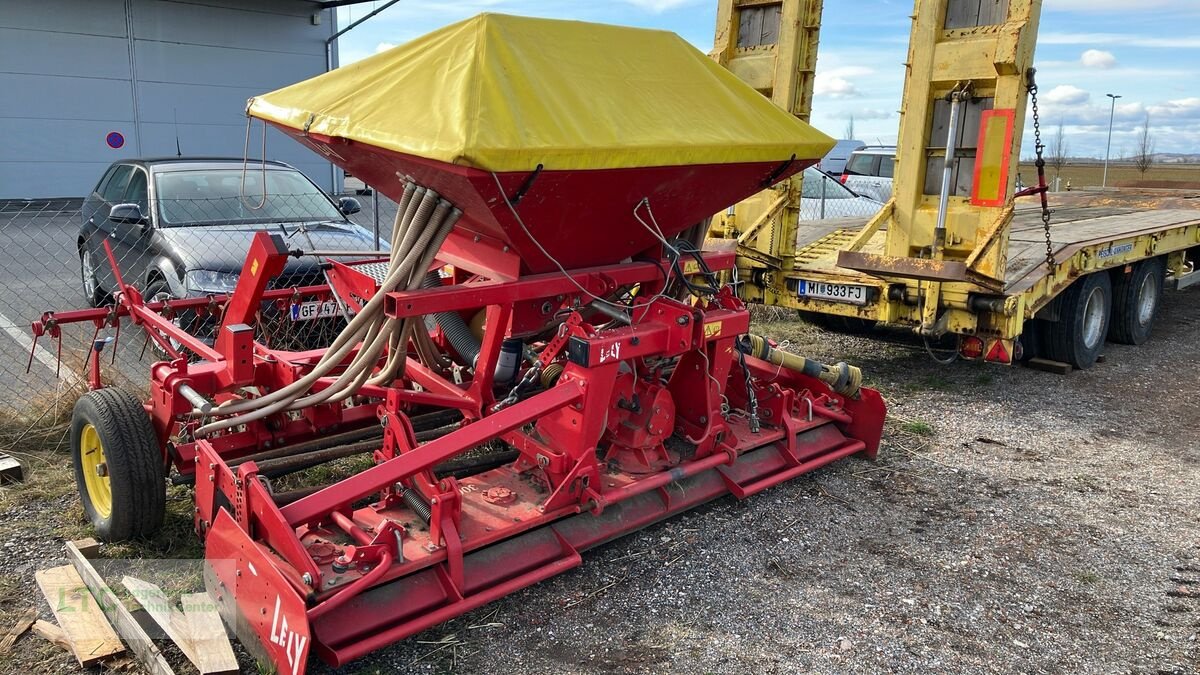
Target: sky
1147 51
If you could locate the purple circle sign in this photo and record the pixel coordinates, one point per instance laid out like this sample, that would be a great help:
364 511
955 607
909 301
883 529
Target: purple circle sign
115 140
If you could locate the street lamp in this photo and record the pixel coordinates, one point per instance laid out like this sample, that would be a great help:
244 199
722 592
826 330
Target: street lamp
1107 151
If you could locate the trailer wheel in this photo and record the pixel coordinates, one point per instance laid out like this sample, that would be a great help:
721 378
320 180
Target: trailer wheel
1135 302
1078 335
118 466
1033 339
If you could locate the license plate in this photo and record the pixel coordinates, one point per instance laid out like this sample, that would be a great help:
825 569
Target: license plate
315 309
848 293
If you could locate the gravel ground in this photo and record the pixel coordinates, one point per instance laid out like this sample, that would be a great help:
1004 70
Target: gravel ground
1016 521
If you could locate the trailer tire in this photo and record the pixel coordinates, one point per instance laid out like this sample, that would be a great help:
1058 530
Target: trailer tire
1033 339
118 465
1135 301
1086 308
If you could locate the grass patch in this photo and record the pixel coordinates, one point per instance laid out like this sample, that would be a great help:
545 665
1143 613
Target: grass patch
984 379
917 428
1087 577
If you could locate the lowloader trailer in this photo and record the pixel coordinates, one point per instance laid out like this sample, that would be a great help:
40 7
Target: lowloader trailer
542 363
950 255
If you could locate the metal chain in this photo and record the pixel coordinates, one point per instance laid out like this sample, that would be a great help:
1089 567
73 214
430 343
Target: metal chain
1039 148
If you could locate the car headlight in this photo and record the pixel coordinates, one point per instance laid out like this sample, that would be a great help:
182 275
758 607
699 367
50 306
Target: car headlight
203 282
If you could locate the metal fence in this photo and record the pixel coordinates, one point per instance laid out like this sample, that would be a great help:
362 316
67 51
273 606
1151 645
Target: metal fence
55 260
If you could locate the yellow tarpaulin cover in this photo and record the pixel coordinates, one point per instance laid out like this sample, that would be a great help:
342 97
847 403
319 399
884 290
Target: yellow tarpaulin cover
506 93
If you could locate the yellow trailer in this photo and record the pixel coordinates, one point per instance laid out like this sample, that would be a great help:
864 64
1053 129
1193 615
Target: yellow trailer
950 254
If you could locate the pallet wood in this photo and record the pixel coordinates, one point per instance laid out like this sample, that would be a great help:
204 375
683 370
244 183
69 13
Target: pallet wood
209 638
54 634
90 548
139 643
1056 367
92 638
206 653
158 606
17 629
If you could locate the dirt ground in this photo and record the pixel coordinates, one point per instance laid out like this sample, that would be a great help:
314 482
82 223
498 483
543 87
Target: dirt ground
1123 175
1016 521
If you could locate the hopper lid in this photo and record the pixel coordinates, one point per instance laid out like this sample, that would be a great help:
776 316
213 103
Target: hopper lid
506 93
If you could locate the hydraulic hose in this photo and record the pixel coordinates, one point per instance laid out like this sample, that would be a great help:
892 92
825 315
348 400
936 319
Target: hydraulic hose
421 226
841 377
456 330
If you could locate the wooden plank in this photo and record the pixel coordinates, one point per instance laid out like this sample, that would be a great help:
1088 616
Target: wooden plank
1056 367
159 607
54 634
92 638
141 645
209 638
90 548
23 623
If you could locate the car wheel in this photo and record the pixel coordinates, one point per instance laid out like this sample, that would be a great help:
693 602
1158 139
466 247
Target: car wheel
1135 302
92 293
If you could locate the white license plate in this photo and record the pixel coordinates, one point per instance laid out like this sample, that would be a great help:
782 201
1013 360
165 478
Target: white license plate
848 293
315 309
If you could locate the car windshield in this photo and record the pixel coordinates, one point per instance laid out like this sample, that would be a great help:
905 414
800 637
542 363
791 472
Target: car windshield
206 196
820 185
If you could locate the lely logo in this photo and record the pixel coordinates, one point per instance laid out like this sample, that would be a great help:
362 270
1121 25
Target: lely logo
291 641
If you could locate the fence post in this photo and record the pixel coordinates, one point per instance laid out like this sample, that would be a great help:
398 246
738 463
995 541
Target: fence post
375 215
824 189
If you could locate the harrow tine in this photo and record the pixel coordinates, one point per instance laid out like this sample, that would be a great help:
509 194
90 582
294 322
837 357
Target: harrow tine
115 341
32 351
95 334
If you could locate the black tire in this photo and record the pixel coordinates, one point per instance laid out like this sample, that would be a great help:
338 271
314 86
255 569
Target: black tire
1135 301
1033 337
1085 310
95 297
131 460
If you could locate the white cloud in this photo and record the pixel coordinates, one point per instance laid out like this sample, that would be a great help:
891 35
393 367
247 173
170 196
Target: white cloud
836 83
1096 58
659 6
1184 108
1066 94
1133 40
383 47
834 87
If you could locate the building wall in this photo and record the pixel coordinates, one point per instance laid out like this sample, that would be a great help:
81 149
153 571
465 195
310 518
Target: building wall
74 71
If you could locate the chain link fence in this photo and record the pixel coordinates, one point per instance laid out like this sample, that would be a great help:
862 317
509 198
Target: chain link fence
190 246
58 259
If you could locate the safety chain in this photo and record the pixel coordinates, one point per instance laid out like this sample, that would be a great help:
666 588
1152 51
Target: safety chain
1038 148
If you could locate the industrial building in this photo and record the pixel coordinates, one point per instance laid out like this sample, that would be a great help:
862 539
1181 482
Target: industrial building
87 82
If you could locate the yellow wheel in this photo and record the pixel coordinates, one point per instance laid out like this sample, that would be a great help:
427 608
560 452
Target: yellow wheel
95 471
118 465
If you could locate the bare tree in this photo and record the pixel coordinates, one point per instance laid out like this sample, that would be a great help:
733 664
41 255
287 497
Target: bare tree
1059 149
849 133
1143 156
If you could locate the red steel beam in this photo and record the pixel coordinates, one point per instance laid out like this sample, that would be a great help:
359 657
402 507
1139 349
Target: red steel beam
319 504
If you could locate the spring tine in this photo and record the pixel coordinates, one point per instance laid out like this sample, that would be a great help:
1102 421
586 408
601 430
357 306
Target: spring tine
116 341
58 367
146 343
32 349
91 347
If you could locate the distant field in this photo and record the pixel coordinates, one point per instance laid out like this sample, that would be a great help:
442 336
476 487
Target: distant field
1178 176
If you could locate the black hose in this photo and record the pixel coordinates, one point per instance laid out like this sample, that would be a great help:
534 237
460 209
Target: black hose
456 330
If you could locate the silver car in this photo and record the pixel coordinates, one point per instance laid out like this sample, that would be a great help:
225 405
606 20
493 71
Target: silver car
824 197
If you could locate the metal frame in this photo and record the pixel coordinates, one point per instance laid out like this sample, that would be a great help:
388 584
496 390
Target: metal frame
639 425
